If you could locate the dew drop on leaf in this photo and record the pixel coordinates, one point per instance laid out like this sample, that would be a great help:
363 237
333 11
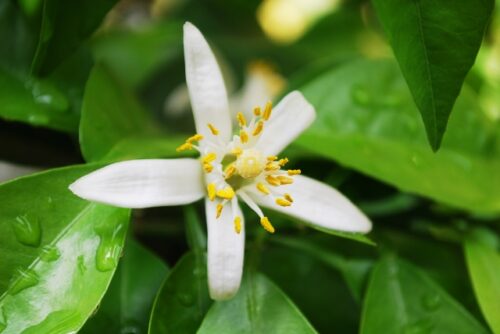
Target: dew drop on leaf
431 302
110 246
48 95
360 95
39 119
422 326
22 280
186 299
27 230
50 253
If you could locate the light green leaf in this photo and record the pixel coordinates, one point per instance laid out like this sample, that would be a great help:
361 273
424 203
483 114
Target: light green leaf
367 121
402 299
58 252
483 262
114 126
435 43
259 307
183 298
127 304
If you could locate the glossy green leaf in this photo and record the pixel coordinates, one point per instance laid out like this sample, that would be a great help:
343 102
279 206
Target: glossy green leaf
435 43
114 126
483 262
402 299
183 298
65 25
58 252
127 304
259 307
369 123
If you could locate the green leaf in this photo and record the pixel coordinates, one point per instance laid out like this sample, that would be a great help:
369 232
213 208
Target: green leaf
402 299
183 298
435 43
369 123
125 307
65 25
483 262
196 236
58 252
259 307
114 126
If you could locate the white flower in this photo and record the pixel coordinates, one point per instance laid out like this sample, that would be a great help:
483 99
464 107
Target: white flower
231 167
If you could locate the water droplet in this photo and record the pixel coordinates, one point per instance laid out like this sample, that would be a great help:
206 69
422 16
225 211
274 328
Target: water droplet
186 299
422 326
431 302
27 230
110 246
50 253
38 119
81 264
360 95
47 94
23 280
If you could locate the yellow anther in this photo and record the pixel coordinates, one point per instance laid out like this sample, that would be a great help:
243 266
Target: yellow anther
256 111
207 159
208 167
230 170
283 162
266 224
271 166
258 128
243 136
196 137
184 147
294 171
288 197
263 189
237 150
241 119
272 158
283 202
226 193
285 179
213 129
211 191
237 224
267 111
219 210
273 180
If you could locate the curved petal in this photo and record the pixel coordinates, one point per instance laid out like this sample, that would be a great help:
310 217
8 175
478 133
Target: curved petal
225 251
319 204
143 183
206 85
290 117
10 171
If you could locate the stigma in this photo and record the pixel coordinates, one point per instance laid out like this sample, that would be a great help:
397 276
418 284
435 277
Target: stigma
250 163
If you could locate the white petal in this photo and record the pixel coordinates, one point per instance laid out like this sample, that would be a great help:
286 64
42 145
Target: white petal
11 171
225 251
206 85
143 183
290 117
317 203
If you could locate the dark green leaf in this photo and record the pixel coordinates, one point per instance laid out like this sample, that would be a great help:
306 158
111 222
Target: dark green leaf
183 298
196 236
125 307
435 43
259 307
369 123
58 252
402 299
65 25
483 262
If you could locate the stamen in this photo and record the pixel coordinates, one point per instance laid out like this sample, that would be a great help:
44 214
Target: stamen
208 167
273 180
226 193
211 191
213 129
184 147
283 162
266 224
219 210
230 170
243 136
196 137
256 111
271 166
207 159
263 189
258 128
237 224
285 179
237 150
283 202
288 197
272 158
267 111
294 172
241 119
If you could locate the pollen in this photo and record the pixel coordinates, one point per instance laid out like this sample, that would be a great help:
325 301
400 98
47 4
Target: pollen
226 193
236 151
285 179
184 147
219 210
237 224
209 158
211 191
243 136
213 129
283 162
262 188
283 202
250 163
256 111
294 172
258 128
273 180
208 167
272 158
230 170
241 119
196 137
267 111
266 224
272 166
288 197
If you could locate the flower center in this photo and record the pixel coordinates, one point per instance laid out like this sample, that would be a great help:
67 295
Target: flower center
250 163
